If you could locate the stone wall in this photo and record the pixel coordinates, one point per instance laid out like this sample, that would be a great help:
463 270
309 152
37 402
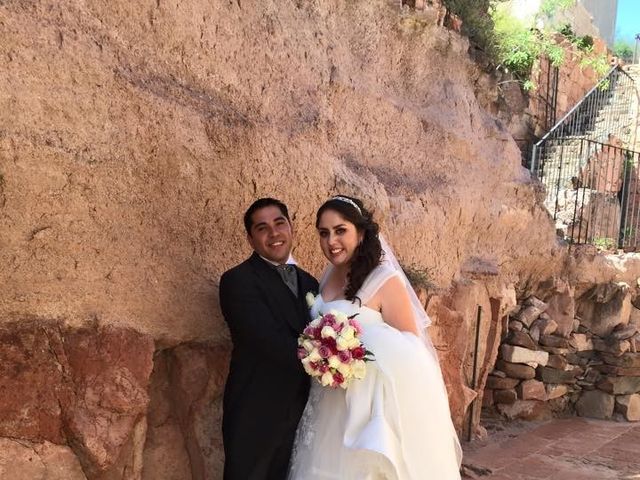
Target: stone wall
576 352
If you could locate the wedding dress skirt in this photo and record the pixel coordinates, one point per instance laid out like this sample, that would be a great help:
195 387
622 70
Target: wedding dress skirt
393 424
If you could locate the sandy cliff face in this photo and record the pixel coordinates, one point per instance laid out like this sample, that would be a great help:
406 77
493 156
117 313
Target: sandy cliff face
134 135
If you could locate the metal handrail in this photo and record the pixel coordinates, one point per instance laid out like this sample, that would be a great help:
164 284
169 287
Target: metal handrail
584 100
567 120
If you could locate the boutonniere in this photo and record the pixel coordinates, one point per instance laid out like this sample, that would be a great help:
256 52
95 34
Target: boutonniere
311 299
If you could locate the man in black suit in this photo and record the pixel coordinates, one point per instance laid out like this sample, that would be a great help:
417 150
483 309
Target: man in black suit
263 302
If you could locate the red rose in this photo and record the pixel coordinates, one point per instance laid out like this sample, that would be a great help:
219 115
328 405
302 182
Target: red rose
330 343
358 353
338 378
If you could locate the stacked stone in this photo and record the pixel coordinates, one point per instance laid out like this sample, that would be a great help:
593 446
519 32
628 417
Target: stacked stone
532 368
542 369
612 386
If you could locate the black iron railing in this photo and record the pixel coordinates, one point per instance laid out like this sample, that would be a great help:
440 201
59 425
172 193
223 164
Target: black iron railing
588 169
605 111
599 202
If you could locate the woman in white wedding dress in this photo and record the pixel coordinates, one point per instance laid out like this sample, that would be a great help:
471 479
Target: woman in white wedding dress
395 423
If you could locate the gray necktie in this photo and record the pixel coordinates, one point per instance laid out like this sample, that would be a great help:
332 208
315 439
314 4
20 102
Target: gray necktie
289 277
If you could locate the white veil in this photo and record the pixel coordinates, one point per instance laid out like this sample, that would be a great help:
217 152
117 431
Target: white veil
419 314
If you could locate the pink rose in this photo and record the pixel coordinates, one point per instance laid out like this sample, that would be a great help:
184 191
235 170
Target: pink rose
323 367
356 326
324 351
308 331
301 353
338 378
344 356
329 320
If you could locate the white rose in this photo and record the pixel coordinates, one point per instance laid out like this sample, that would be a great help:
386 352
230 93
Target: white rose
348 332
327 332
327 379
342 344
353 343
310 298
344 369
341 318
307 345
359 369
307 367
314 356
334 361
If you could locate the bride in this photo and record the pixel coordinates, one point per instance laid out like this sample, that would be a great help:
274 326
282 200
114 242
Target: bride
395 423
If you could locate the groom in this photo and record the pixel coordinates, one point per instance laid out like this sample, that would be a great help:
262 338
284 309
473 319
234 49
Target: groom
263 302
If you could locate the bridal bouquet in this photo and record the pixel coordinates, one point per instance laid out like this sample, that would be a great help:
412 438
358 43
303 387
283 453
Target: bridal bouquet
331 351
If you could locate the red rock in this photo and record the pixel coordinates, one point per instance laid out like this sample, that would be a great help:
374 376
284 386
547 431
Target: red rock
552 375
515 326
86 387
505 396
556 390
604 307
624 360
544 326
520 339
618 371
528 315
523 355
487 398
532 390
516 370
595 404
581 342
623 332
197 374
620 385
554 341
526 410
498 383
562 309
24 460
629 406
614 347
557 361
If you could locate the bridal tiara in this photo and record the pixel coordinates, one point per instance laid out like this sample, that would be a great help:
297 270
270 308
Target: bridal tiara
349 201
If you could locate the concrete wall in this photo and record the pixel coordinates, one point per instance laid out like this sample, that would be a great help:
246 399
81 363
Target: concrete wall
604 14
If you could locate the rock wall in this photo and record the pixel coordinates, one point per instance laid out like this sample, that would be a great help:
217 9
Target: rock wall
576 352
531 115
133 137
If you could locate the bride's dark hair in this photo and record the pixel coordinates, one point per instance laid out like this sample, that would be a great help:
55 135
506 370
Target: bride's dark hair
367 254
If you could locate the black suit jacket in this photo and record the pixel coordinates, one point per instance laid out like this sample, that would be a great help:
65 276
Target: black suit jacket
267 388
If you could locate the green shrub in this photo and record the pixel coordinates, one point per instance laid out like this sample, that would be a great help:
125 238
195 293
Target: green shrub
623 50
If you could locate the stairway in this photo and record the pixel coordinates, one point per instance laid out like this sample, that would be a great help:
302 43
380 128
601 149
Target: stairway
583 159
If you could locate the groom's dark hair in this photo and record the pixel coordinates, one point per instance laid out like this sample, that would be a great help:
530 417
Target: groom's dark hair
262 203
